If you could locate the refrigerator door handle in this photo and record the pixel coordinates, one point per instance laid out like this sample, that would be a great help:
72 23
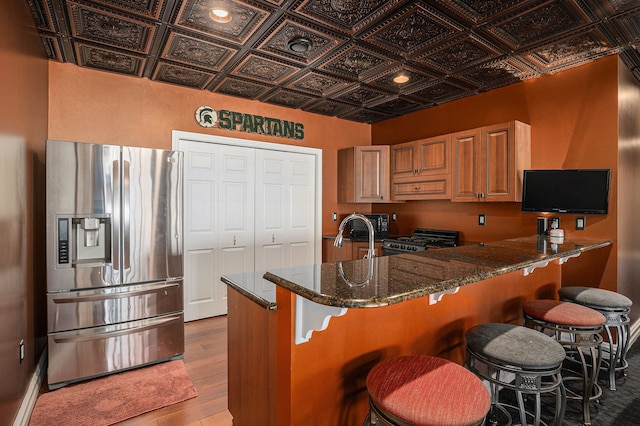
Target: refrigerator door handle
126 219
104 332
116 294
116 216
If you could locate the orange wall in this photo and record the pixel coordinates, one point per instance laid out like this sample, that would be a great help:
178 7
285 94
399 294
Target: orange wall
573 118
99 107
23 127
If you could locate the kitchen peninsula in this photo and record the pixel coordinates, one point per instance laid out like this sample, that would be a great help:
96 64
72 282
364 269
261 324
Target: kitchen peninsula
301 340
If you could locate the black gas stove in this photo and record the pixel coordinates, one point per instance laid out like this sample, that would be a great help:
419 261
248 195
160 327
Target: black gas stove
422 239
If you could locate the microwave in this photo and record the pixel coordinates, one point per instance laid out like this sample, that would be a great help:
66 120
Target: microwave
380 222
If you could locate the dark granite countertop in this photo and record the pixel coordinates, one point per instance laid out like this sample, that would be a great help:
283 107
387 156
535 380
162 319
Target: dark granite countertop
393 279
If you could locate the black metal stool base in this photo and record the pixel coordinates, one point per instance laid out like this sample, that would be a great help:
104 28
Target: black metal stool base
584 348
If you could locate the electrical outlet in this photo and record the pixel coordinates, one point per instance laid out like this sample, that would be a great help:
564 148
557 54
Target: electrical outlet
581 223
21 351
394 217
482 219
555 222
334 216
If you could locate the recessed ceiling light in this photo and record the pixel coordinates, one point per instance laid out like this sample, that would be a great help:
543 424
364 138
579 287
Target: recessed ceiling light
220 13
401 78
300 44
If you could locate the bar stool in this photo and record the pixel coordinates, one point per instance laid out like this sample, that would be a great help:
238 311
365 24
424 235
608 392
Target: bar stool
520 359
424 390
615 307
578 329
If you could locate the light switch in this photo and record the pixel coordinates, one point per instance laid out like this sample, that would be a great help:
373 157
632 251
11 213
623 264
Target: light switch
581 223
482 219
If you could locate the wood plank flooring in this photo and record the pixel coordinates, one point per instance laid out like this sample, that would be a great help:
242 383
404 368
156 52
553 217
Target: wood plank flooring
205 358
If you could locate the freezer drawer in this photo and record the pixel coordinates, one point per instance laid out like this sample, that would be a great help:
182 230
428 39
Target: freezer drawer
112 305
82 354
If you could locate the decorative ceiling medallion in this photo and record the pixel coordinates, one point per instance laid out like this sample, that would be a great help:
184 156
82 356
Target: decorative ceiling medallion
206 116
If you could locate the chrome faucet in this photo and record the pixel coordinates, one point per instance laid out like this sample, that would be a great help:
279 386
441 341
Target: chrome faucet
338 241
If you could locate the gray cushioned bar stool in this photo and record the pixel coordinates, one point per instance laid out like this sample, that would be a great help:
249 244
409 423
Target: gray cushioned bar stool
520 359
422 390
615 308
577 328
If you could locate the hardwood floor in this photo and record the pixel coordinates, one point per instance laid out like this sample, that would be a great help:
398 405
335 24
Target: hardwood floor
205 358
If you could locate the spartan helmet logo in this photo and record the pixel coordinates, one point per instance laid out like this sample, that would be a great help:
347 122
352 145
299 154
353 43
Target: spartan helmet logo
206 116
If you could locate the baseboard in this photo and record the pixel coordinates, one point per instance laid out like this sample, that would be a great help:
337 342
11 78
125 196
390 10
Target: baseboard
31 396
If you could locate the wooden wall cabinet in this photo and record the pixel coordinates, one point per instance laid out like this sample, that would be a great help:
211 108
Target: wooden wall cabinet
421 170
363 174
488 162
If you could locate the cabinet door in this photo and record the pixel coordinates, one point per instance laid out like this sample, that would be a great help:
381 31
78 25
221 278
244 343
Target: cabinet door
466 152
372 181
332 254
489 162
363 174
499 158
402 159
360 249
506 153
433 155
435 187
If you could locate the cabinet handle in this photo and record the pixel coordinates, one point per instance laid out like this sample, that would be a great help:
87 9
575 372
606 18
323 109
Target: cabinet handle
417 188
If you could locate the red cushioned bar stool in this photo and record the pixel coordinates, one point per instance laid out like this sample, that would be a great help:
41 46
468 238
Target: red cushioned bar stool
425 391
578 329
520 360
615 307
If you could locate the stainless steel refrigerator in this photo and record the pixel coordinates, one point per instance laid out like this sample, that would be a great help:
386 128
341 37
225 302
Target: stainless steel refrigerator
114 259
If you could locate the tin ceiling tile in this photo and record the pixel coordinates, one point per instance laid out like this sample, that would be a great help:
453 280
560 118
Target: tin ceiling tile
570 51
194 15
319 84
449 48
146 8
113 28
242 88
196 51
528 26
289 37
109 59
181 75
411 28
263 69
350 16
459 54
356 62
288 98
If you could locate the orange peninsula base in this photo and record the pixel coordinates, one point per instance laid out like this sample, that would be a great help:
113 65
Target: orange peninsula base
273 381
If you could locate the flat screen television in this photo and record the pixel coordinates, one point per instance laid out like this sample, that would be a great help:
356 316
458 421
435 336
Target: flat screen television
566 191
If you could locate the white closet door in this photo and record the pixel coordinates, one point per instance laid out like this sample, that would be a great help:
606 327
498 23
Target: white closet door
236 207
246 209
218 208
285 209
302 219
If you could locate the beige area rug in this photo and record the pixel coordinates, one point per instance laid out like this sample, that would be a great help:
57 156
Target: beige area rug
115 398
